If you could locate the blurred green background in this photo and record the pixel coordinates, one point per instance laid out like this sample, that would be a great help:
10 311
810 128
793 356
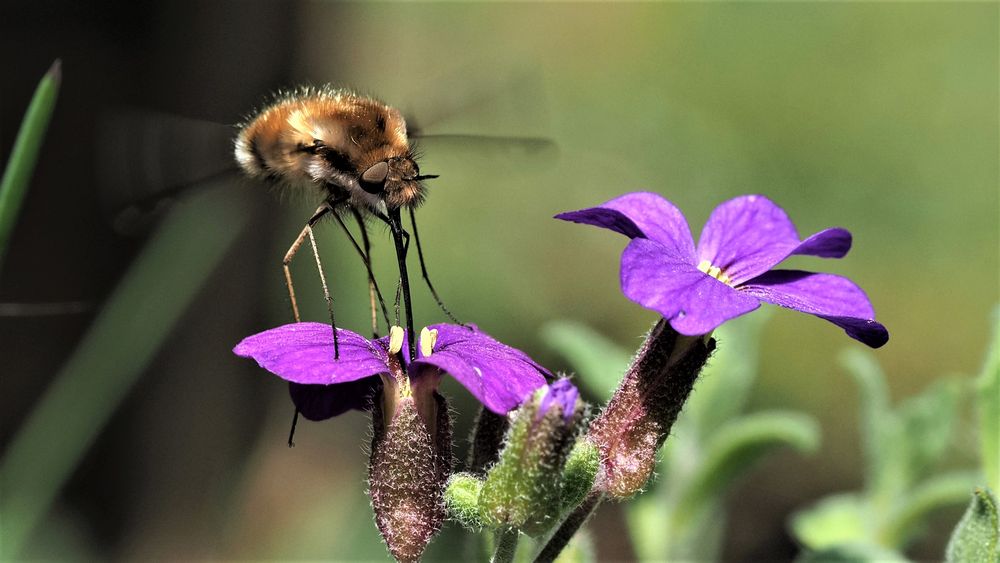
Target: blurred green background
878 117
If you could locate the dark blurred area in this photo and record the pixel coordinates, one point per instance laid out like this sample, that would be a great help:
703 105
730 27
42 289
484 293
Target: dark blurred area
879 118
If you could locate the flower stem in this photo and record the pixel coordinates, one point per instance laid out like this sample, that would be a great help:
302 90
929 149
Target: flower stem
506 545
569 527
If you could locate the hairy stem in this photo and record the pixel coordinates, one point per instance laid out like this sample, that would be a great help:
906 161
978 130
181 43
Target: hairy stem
506 545
569 527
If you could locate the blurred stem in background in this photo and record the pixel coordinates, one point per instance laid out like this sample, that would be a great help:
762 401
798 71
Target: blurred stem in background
126 335
16 175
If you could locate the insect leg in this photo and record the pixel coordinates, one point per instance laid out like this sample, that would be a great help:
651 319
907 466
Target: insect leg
322 210
326 293
372 287
292 250
372 284
423 269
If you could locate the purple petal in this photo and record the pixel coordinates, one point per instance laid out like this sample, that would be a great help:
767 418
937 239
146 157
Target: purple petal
496 374
640 215
834 298
694 302
303 353
562 394
749 235
828 243
320 402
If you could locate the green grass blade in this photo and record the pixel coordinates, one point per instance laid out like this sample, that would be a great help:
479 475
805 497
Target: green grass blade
119 345
16 175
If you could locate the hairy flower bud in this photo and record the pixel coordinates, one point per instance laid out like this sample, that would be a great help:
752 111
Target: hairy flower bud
523 489
639 415
410 463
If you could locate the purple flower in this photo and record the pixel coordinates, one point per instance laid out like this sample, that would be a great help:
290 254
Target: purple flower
562 394
729 273
302 353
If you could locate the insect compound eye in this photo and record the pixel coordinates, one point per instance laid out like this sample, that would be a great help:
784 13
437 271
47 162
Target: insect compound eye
373 179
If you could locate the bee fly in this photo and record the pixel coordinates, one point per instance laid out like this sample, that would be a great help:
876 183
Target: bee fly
354 152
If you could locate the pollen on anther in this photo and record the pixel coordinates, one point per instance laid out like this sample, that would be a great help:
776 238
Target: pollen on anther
395 339
428 338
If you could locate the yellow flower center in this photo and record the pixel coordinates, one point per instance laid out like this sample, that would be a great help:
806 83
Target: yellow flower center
716 272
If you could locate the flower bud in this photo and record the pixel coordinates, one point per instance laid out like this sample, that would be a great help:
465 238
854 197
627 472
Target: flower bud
581 470
461 497
523 489
410 463
639 415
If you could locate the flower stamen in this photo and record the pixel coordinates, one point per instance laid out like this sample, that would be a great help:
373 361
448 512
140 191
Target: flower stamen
395 339
428 338
715 271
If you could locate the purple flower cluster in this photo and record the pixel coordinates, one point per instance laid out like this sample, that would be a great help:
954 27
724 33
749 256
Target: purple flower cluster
729 273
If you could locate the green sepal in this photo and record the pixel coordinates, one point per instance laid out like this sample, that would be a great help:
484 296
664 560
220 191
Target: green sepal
523 489
580 472
461 499
977 536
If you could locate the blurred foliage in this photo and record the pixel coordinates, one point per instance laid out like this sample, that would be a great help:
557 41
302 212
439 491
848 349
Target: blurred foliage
904 449
988 403
710 447
17 173
123 339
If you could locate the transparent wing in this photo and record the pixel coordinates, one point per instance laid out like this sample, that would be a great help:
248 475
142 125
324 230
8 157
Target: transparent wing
145 159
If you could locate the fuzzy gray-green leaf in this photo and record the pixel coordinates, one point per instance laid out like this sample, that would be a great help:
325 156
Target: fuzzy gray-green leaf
737 446
977 536
910 516
598 362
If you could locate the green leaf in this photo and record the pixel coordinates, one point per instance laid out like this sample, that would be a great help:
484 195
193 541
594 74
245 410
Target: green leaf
122 340
736 447
19 168
927 422
977 536
854 553
834 521
887 473
940 491
988 405
723 388
598 362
